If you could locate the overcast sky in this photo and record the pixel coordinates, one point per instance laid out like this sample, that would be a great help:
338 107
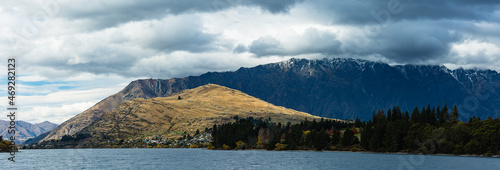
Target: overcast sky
73 53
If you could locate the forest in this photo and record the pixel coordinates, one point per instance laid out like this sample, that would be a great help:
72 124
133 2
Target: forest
7 146
423 131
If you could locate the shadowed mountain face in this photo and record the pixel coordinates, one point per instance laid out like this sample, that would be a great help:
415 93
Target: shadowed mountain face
337 88
347 88
196 109
25 130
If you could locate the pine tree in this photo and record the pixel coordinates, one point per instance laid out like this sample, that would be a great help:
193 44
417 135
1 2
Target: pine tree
389 115
415 116
379 128
357 123
215 142
428 115
366 135
406 116
335 137
454 113
443 115
322 140
348 137
433 117
423 116
396 114
438 115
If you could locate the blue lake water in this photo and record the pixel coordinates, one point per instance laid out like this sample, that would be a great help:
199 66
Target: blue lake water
250 159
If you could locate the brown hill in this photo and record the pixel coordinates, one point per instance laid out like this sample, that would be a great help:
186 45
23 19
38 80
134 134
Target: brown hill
198 109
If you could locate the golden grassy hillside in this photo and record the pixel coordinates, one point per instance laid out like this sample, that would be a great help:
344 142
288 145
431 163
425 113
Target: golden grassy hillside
198 109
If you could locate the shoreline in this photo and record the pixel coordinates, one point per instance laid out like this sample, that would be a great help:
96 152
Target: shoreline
367 152
406 153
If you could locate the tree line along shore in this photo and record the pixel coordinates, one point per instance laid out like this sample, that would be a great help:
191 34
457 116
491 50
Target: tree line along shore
424 131
428 130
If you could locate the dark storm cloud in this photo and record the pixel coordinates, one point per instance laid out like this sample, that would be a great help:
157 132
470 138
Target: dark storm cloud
103 14
410 42
359 12
274 6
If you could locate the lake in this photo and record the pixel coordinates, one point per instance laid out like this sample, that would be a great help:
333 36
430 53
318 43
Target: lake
249 159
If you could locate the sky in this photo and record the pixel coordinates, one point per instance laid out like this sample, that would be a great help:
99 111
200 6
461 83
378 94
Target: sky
73 53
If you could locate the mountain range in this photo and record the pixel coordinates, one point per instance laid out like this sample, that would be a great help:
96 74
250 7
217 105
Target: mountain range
25 130
341 88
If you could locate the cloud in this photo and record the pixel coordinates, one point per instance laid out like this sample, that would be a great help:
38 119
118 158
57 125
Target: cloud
240 49
266 46
116 50
67 96
175 34
105 14
475 54
54 114
312 41
56 105
183 64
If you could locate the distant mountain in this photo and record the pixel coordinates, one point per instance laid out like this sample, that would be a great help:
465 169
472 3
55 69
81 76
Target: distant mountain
336 88
196 109
25 130
47 126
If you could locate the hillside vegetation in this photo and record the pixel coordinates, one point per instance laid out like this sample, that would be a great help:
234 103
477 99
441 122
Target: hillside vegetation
188 111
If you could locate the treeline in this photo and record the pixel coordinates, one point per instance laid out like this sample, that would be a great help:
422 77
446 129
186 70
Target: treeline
264 134
427 130
7 146
430 131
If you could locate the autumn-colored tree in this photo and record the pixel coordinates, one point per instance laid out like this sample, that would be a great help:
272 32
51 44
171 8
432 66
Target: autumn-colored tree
240 145
280 147
260 145
226 147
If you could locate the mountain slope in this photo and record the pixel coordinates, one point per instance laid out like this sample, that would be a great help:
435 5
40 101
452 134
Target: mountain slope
337 88
82 120
25 130
198 109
